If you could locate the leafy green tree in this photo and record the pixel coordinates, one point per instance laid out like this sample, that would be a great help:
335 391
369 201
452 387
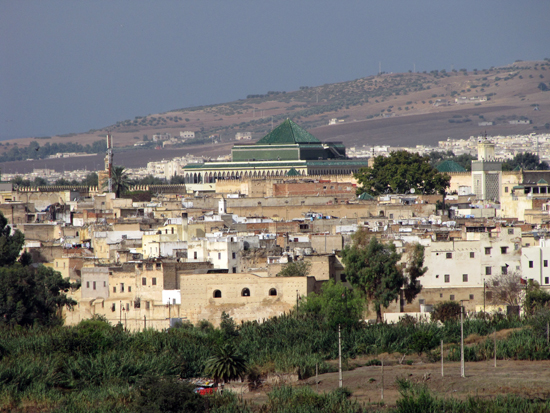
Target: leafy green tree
91 180
445 311
527 161
10 244
295 269
399 173
374 269
225 364
30 296
413 269
535 298
177 180
336 304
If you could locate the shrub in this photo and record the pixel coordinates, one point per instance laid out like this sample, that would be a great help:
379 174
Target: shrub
445 311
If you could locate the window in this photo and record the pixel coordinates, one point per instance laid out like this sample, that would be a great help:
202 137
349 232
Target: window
452 297
129 289
158 266
272 292
113 307
530 264
105 283
114 289
506 191
245 292
143 281
546 280
147 305
343 278
471 296
504 270
391 216
87 284
94 285
504 250
234 270
219 255
464 278
440 295
545 263
217 294
154 281
487 250
487 270
127 306
510 231
121 287
472 254
233 255
447 278
194 255
449 255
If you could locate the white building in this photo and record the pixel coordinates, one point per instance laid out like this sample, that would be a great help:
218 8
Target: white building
467 263
534 262
187 134
222 252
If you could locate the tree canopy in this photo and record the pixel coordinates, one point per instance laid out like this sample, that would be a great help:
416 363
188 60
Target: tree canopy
295 269
374 268
336 304
10 244
31 296
225 364
28 295
527 161
399 173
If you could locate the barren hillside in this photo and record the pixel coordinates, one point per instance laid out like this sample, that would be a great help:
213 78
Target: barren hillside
398 109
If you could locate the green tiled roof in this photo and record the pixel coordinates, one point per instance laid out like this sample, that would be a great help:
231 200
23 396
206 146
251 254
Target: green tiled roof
542 181
292 172
365 197
287 133
449 166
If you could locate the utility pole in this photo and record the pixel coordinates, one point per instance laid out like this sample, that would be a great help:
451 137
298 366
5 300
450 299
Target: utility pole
340 381
462 373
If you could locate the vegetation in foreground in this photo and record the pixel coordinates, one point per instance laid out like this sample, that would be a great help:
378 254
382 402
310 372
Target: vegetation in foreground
98 367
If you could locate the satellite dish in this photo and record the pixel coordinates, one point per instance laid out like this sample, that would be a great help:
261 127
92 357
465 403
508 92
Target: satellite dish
412 191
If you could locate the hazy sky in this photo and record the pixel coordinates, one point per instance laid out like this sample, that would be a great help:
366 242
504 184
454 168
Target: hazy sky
75 65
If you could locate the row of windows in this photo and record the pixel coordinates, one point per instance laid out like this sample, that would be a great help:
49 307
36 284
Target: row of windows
544 263
126 307
488 271
143 282
503 250
245 292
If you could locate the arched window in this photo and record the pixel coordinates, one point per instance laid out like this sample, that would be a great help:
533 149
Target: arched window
245 292
217 294
272 291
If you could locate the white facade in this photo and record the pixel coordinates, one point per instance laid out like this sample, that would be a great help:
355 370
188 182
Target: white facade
187 134
467 263
223 253
535 261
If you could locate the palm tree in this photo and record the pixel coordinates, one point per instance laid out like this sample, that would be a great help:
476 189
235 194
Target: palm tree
225 364
119 180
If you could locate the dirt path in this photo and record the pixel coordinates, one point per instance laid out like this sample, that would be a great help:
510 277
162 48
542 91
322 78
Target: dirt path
523 378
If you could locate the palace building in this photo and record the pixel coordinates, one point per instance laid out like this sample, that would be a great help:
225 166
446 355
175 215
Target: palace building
286 151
